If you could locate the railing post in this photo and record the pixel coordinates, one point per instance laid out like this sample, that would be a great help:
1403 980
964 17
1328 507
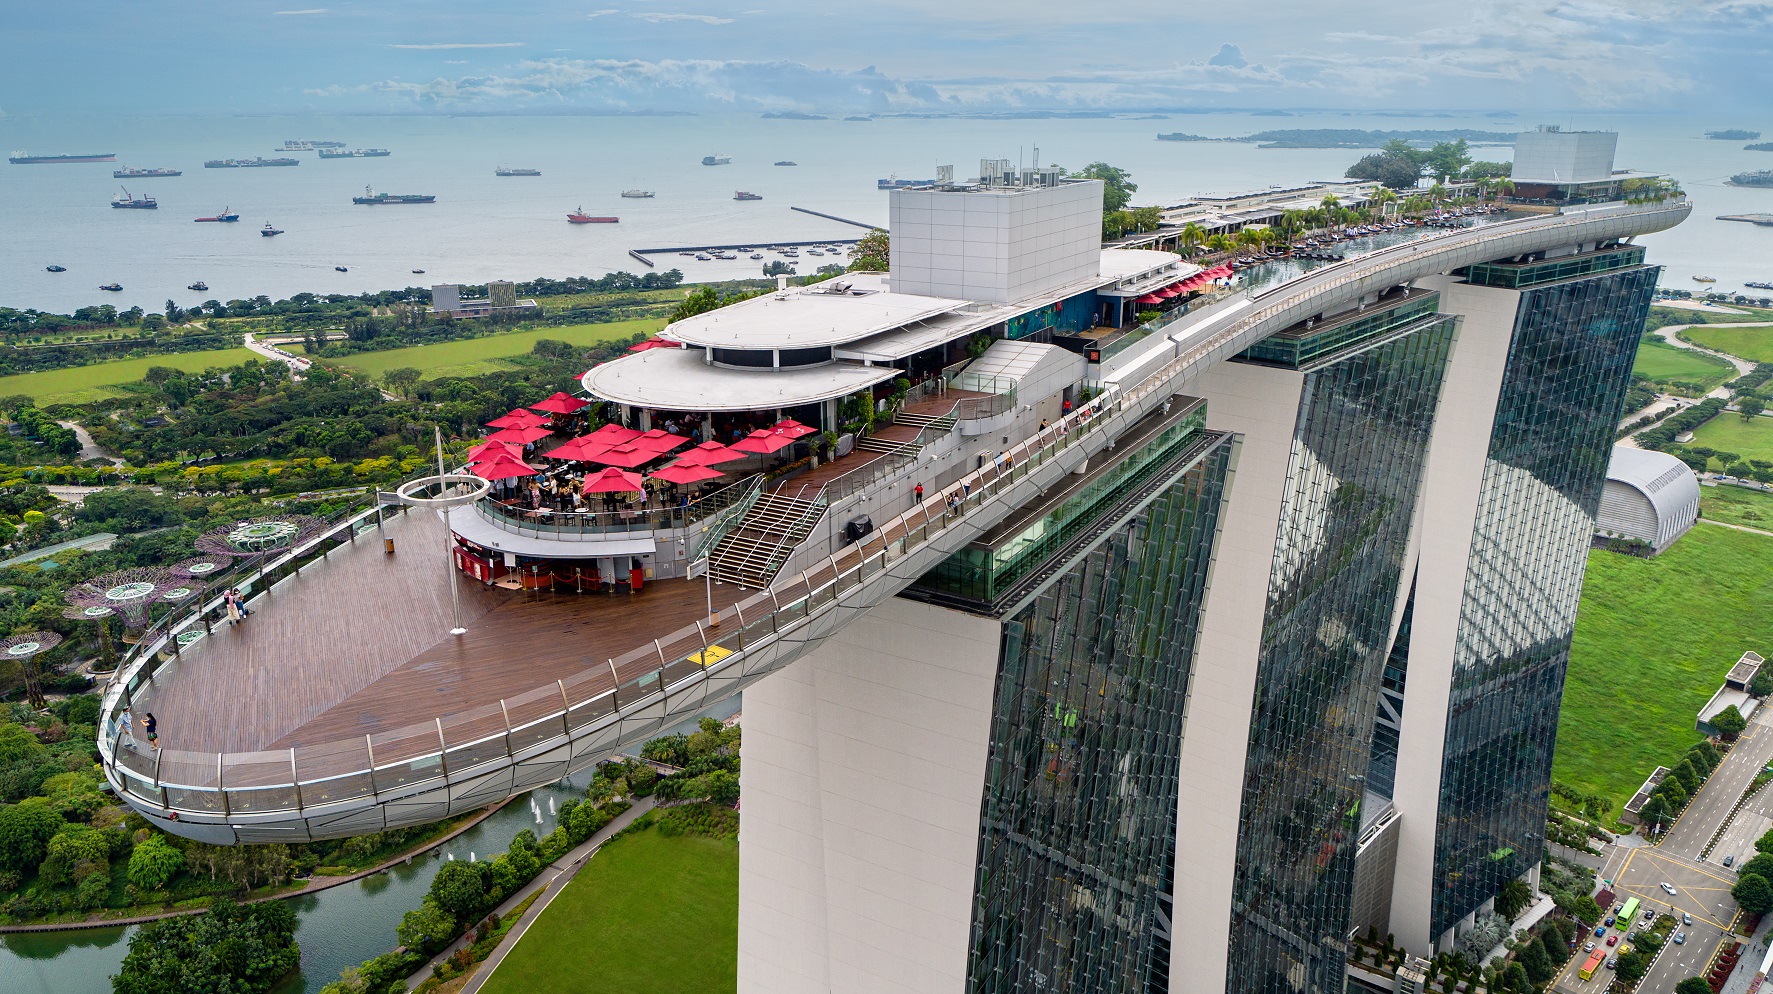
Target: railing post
566 705
737 610
295 780
662 664
442 748
221 788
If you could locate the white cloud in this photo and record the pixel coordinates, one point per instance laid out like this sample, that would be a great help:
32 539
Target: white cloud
297 13
657 18
446 46
600 13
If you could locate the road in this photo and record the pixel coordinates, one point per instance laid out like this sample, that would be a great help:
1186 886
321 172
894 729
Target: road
1719 795
294 362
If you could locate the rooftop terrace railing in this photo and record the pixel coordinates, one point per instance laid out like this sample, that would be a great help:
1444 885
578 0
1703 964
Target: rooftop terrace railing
619 701
542 523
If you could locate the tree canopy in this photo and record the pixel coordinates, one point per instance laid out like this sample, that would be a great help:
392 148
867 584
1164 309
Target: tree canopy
871 253
1754 894
1117 183
232 948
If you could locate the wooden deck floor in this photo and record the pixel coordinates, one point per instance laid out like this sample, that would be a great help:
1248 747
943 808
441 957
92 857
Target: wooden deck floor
360 644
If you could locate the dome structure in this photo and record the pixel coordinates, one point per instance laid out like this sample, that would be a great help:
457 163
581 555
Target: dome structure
1649 496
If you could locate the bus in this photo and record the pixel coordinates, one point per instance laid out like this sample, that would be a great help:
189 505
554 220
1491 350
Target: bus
1627 915
1593 964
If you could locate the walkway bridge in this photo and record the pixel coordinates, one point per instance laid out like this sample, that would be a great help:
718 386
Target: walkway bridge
421 747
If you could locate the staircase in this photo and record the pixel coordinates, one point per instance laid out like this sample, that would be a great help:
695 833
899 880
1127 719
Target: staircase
941 424
886 446
750 554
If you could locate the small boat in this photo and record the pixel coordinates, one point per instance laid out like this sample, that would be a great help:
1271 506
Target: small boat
56 269
717 160
815 251
787 162
742 195
1752 283
701 257
268 231
580 217
227 215
1705 279
199 286
340 269
637 194
757 255
418 270
113 287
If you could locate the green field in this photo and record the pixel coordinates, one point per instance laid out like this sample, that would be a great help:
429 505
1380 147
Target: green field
1728 432
1663 362
475 356
1752 342
1654 638
1737 506
85 384
650 914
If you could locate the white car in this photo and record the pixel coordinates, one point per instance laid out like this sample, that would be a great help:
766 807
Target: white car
1669 888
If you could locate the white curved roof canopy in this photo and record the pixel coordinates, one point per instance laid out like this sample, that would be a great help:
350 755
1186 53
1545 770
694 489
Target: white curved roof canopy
808 317
1649 495
679 380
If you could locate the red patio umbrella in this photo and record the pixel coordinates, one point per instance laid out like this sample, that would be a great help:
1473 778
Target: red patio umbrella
626 456
502 468
680 473
560 403
517 417
614 434
521 436
1168 292
790 428
613 481
660 440
709 454
762 443
487 451
1150 298
577 450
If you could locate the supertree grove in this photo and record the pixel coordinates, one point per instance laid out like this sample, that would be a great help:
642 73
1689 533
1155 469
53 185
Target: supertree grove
127 592
25 648
259 535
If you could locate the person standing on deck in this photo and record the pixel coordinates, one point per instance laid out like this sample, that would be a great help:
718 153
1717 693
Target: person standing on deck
917 493
151 728
233 607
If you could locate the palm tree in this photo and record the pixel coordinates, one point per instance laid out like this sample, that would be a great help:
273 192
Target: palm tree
1501 186
1191 237
1331 201
1379 198
1219 243
1437 193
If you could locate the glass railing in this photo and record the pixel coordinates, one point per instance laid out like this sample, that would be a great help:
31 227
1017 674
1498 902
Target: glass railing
674 671
546 523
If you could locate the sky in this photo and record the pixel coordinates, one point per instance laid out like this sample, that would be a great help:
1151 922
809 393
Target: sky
888 56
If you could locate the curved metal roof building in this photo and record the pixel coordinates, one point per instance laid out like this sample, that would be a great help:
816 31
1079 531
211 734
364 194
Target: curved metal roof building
1650 496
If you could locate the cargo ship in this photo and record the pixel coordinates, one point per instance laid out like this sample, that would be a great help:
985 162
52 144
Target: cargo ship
225 215
787 162
743 195
354 153
27 159
130 202
638 194
131 172
506 171
253 163
372 197
297 145
717 160
1758 285
580 217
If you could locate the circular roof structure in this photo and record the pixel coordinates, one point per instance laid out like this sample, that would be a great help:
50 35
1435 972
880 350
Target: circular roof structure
679 380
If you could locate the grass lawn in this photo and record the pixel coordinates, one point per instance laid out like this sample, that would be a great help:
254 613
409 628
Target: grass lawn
1728 432
1752 342
650 914
1654 638
85 384
474 356
1663 362
1737 505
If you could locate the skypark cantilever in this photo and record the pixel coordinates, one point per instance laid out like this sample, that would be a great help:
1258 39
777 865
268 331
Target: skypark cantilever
343 706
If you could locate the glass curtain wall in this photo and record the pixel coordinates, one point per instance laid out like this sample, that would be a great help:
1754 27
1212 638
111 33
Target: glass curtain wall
1563 391
1361 435
1078 835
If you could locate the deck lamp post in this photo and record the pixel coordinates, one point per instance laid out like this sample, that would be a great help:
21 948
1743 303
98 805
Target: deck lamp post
440 493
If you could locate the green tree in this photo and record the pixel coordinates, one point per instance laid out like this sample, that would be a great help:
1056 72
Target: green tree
1693 985
17 743
1670 790
25 831
1751 407
1513 898
426 927
871 254
1515 979
230 949
459 890
1687 775
1632 966
75 853
1702 763
1447 160
402 379
1765 843
154 862
1753 893
1585 910
1117 184
1393 170
1760 686
1729 722
1538 965
1557 948
1760 865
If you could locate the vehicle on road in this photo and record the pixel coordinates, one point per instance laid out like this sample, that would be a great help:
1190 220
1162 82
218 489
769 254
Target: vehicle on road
1612 962
1680 938
1588 947
1627 912
1613 940
1686 919
1729 859
1665 885
1589 967
1600 931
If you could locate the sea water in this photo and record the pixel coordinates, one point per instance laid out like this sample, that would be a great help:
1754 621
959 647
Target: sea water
485 227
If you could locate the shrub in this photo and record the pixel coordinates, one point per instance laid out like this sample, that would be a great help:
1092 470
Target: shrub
75 852
427 927
154 862
231 947
25 831
458 889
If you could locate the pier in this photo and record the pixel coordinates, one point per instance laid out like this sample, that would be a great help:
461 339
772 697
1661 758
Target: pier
745 246
834 217
1764 220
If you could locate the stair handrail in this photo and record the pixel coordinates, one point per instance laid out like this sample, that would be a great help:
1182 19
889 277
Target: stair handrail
724 519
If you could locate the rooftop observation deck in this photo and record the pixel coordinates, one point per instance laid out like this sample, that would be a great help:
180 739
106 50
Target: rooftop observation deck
342 706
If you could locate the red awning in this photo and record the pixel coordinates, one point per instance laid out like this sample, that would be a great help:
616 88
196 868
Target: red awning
517 418
613 481
1169 292
790 428
762 443
1150 298
560 403
652 343
680 473
521 436
577 450
487 451
503 468
709 454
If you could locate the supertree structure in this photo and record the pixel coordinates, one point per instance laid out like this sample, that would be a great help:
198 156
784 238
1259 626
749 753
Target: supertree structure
25 648
258 536
126 592
203 568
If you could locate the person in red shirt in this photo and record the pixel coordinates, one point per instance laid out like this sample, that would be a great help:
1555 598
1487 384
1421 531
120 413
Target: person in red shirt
918 493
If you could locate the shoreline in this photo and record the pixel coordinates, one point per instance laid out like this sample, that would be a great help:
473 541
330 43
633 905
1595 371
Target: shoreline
310 888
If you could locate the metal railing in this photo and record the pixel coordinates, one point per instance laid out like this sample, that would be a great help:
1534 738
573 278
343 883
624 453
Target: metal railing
676 673
571 524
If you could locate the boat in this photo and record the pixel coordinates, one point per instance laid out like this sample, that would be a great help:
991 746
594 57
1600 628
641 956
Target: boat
787 162
354 153
257 162
418 270
637 194
372 197
813 251
894 183
717 160
130 172
297 145
63 269
199 286
27 159
701 257
503 171
134 203
113 287
742 195
268 231
1705 279
1751 283
227 215
580 217
757 255
340 269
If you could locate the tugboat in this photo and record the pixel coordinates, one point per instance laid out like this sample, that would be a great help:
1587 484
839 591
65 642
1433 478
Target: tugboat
56 269
787 162
340 269
742 195
133 203
418 270
372 197
268 231
580 217
113 287
227 215
199 286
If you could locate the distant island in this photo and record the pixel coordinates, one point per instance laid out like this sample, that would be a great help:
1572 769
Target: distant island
1760 177
1733 135
1762 147
1178 136
792 115
1353 138
858 117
